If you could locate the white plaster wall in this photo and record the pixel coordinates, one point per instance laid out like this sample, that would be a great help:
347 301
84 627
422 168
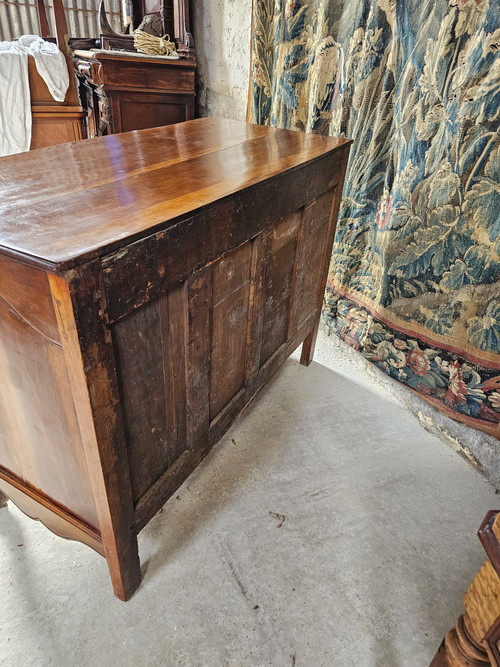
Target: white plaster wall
221 31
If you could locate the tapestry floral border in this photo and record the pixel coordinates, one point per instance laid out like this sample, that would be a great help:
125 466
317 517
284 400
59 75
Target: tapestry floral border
465 390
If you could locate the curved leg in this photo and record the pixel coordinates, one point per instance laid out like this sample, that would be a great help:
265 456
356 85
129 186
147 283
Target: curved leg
460 649
3 499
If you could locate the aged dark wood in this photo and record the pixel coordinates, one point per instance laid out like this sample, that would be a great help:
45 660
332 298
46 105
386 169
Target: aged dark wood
476 638
152 284
198 361
279 281
88 346
230 304
122 92
489 536
261 249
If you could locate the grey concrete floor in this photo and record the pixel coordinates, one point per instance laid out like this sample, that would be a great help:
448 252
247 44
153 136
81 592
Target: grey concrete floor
368 569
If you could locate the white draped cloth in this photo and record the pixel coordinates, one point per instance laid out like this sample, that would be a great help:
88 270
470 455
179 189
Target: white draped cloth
15 102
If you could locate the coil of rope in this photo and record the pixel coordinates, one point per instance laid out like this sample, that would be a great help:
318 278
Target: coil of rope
152 45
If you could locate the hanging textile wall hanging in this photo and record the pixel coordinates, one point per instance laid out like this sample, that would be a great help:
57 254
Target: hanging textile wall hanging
414 276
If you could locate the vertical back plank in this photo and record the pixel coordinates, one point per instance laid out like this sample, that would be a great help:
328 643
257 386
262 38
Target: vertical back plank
279 284
261 250
173 318
309 266
199 343
138 349
231 287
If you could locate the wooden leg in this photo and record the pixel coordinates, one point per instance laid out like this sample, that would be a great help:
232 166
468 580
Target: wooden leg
125 571
308 346
460 649
97 400
3 499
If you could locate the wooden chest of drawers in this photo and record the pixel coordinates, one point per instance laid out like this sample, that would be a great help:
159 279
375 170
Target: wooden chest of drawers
122 92
150 284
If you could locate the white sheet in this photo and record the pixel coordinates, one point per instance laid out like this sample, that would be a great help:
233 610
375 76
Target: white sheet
15 102
50 64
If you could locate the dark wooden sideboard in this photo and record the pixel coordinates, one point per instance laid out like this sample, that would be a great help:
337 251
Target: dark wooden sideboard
122 92
150 284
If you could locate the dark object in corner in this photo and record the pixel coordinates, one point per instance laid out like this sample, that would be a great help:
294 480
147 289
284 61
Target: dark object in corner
153 25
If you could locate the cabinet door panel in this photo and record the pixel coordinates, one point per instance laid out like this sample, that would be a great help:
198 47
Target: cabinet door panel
279 282
310 259
231 290
150 356
137 114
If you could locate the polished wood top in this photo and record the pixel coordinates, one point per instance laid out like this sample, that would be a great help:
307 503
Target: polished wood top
64 204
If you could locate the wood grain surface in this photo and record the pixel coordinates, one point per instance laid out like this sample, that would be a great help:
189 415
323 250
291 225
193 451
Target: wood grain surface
39 431
72 202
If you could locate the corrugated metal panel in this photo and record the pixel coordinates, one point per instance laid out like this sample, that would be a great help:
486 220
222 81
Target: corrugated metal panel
20 17
14 14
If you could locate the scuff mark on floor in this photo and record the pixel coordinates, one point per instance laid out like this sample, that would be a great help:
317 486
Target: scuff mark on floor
237 578
229 559
281 517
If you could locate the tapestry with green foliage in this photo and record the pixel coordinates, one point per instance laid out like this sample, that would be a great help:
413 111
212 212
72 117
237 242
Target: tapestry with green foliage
414 276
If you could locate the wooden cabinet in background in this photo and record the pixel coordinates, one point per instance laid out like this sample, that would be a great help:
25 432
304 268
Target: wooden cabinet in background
150 285
122 92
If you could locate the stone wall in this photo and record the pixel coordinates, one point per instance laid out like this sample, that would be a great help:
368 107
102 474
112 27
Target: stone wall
221 30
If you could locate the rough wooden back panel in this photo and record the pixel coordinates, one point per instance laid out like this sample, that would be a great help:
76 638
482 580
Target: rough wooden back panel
150 355
230 309
183 356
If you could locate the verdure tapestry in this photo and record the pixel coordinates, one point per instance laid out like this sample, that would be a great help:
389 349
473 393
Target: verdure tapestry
414 275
